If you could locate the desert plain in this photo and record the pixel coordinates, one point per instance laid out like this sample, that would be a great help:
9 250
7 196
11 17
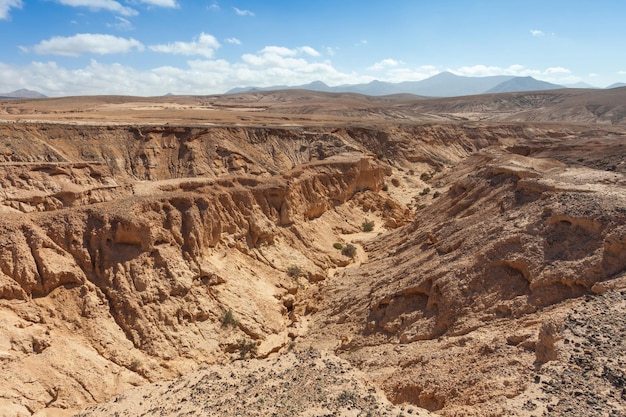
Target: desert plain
295 253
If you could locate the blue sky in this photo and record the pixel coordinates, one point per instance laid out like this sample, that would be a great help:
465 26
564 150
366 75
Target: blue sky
154 47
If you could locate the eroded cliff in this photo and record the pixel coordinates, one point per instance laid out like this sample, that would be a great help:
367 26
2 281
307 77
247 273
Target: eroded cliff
133 254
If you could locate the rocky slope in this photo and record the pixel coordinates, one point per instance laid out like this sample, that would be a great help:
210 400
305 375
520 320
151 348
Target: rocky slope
134 254
483 276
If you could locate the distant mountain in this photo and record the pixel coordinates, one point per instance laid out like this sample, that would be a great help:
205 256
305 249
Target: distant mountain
23 93
617 85
314 86
447 84
579 85
444 84
518 84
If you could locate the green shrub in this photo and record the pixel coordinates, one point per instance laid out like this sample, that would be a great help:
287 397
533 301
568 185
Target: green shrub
337 246
367 226
346 398
349 250
246 348
294 271
229 319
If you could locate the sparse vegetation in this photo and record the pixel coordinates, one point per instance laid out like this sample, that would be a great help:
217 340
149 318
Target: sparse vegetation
337 246
425 176
425 191
294 271
321 154
247 348
436 194
229 319
385 187
349 250
346 398
367 226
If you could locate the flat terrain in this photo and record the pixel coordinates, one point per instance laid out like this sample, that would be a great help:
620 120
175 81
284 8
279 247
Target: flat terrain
313 254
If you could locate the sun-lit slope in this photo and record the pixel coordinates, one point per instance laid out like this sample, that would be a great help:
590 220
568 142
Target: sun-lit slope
570 105
457 311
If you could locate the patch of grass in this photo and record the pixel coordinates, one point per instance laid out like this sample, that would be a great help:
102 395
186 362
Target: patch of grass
229 319
338 246
247 348
294 271
349 250
346 398
367 226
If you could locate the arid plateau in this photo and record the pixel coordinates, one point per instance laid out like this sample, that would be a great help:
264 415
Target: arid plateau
296 253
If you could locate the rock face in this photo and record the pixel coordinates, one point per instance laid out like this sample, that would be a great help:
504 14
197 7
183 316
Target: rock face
511 241
133 254
148 280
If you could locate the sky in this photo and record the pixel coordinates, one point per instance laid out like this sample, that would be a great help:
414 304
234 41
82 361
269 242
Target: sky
156 47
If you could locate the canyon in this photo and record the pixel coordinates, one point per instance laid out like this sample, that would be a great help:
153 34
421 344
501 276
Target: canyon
305 253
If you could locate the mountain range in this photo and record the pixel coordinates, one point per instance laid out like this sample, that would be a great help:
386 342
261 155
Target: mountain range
444 84
22 93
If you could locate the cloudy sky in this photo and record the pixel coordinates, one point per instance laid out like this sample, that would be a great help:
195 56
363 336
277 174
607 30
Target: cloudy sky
154 47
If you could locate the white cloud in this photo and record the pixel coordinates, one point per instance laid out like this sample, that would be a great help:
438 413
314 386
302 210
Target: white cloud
6 5
110 5
233 41
205 45
121 24
331 50
557 70
536 32
85 43
243 12
396 75
161 3
485 71
280 57
621 72
385 63
272 65
279 50
214 6
193 77
308 50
